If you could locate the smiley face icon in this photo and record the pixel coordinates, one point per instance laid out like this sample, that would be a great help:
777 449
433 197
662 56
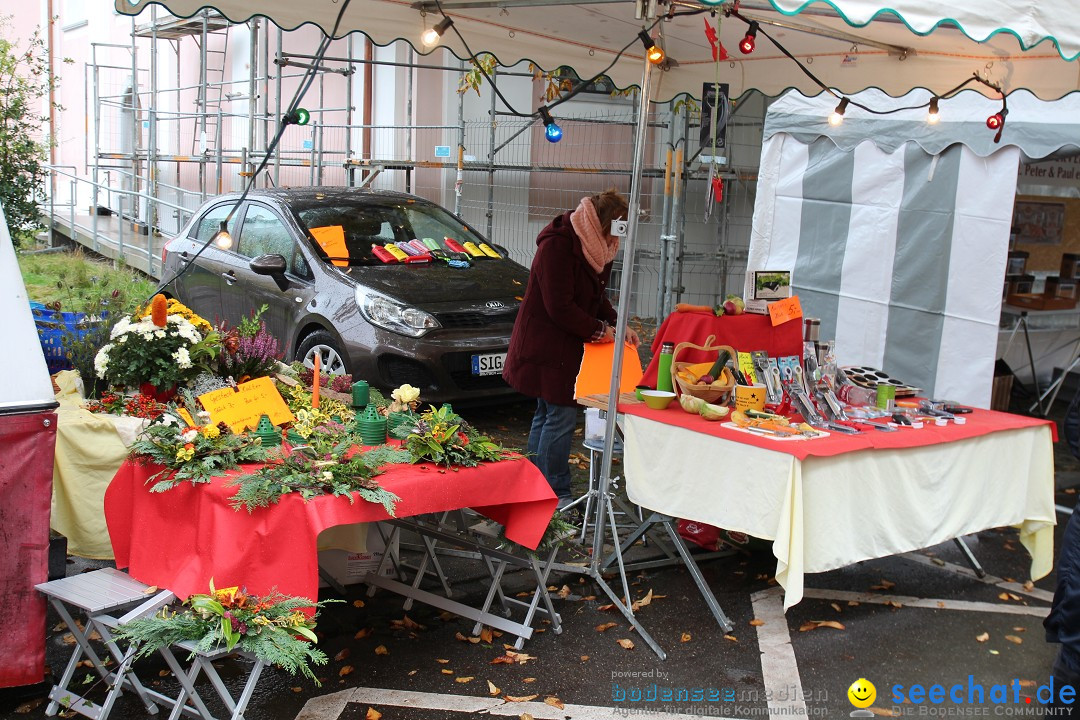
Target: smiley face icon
862 693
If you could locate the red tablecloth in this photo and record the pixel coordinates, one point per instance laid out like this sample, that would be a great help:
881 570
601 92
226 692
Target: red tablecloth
181 538
979 422
745 333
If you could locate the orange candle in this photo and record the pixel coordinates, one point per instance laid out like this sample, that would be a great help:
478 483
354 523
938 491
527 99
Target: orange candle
315 390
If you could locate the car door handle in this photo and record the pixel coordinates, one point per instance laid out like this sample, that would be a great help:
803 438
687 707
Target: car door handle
229 276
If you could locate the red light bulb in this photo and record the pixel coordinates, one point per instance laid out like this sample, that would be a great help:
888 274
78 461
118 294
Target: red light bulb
746 46
995 121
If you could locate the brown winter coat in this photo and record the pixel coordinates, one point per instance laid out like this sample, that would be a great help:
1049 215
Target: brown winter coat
563 303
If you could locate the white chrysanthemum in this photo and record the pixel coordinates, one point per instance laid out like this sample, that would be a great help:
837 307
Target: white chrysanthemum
123 326
182 358
327 475
159 334
187 330
101 361
189 436
121 339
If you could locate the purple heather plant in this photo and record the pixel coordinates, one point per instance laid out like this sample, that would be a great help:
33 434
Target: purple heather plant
250 356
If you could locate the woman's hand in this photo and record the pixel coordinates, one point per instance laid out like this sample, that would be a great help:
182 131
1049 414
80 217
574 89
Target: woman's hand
632 337
609 336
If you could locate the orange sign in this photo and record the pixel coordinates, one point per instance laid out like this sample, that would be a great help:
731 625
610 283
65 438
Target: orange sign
783 310
241 409
594 377
332 239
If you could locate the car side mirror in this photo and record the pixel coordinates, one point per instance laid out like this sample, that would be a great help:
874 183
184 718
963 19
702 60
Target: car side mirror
272 265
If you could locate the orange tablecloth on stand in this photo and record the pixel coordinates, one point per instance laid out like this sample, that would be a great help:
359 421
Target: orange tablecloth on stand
181 538
745 333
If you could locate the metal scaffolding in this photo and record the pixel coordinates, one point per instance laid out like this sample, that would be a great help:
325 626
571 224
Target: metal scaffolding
155 153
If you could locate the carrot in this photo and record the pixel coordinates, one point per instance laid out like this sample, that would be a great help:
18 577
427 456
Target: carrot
687 307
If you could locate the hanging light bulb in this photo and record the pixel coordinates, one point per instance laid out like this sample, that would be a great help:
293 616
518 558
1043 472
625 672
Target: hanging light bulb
749 41
653 52
223 239
552 131
431 36
837 116
997 120
933 116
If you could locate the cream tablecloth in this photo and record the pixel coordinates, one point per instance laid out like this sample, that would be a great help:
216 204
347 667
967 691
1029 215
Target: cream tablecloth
826 512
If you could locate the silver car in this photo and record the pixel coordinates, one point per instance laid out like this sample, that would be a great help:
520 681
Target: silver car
312 256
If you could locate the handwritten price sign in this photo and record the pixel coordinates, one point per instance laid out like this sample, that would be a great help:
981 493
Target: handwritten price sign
242 408
783 310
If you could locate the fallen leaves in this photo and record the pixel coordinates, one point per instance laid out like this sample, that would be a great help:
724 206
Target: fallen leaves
358 603
836 607
372 714
606 626
520 698
510 657
815 624
626 643
362 633
458 636
447 671
757 623
731 638
464 680
883 585
643 602
1015 639
584 658
983 637
407 623
381 650
441 661
685 637
493 690
1007 596
486 635
343 654
345 670
554 702
564 592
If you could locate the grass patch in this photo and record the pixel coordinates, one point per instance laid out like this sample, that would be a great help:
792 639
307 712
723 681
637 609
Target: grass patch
78 282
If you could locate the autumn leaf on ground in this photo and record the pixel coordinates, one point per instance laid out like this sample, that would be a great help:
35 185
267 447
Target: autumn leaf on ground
602 608
345 670
564 592
463 680
628 644
528 680
525 716
584 658
150 590
883 585
1029 586
520 698
815 624
295 689
412 672
757 623
381 650
345 652
407 623
685 637
447 671
441 661
853 603
519 658
358 603
1014 597
492 690
362 633
647 600
486 636
894 604
1014 639
1004 596
732 638
554 702
372 714
1028 683
447 616
605 626
1019 629
503 660
982 638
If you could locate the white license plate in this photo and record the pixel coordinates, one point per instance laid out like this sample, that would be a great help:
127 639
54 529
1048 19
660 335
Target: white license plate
489 364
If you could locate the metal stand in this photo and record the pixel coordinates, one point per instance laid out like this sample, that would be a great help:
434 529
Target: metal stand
970 557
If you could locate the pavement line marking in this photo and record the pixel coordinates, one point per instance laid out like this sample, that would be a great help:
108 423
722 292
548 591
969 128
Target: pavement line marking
330 707
967 572
779 668
930 603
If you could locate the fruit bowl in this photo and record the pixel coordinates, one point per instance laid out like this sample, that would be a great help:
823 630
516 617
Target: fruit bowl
657 399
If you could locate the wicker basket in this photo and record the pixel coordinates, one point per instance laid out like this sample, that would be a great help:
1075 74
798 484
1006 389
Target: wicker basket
708 393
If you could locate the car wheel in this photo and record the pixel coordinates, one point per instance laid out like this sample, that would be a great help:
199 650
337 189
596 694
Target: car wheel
331 358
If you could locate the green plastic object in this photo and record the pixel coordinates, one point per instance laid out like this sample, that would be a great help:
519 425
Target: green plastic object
266 432
361 394
370 426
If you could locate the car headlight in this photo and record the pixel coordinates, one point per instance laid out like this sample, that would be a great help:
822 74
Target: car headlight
392 315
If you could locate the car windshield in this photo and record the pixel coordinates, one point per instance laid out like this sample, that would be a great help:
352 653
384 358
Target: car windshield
346 232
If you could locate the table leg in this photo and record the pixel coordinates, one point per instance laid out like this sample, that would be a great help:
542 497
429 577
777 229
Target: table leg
970 557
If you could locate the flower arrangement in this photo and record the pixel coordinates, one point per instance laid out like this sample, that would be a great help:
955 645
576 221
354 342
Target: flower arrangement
141 406
173 307
193 454
299 401
311 474
160 349
273 628
337 383
248 351
441 436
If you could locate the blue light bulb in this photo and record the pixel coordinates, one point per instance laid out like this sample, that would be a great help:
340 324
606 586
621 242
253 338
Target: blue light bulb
553 133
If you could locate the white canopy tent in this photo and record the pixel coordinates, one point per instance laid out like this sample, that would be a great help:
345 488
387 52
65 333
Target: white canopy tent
850 44
897 230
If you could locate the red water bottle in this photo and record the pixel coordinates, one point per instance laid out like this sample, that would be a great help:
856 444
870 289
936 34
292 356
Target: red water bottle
454 246
383 254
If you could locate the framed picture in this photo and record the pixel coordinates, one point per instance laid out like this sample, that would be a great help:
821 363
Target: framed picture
1038 223
772 284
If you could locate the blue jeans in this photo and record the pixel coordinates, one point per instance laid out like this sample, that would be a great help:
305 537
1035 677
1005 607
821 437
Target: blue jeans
550 437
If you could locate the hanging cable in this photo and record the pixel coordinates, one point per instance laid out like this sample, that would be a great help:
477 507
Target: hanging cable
295 115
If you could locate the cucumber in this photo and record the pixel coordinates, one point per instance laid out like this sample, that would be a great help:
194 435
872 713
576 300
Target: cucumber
721 362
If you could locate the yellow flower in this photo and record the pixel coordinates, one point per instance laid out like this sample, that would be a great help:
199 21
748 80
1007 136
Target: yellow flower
405 394
185 454
210 431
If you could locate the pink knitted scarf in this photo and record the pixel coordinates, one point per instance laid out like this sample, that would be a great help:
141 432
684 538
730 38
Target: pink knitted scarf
598 246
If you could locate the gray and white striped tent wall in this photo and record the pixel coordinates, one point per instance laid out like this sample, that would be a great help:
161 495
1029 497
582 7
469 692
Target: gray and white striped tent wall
896 231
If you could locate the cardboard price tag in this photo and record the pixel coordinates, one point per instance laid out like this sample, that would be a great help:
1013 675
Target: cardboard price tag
242 408
783 310
332 239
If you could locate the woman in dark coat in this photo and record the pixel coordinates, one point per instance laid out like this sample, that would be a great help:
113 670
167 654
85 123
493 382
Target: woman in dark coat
565 306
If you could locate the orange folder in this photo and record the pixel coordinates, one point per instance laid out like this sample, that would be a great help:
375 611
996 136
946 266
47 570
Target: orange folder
594 377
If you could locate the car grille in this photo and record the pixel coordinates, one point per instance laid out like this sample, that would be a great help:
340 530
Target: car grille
459 367
476 319
398 370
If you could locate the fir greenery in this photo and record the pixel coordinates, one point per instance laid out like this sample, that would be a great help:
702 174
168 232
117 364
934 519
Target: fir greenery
443 437
193 454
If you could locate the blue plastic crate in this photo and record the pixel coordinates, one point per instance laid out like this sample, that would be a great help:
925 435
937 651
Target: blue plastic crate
52 325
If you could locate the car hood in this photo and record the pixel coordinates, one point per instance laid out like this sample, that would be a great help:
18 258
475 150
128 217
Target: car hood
432 285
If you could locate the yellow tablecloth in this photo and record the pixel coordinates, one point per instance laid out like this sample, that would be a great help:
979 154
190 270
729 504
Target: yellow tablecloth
826 512
90 448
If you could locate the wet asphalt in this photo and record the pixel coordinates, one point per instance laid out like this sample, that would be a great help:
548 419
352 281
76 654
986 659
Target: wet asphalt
961 627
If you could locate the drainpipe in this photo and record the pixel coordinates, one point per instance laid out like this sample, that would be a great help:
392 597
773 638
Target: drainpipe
52 103
369 101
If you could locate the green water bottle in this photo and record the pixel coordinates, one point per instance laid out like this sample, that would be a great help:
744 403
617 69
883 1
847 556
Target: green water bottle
663 369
